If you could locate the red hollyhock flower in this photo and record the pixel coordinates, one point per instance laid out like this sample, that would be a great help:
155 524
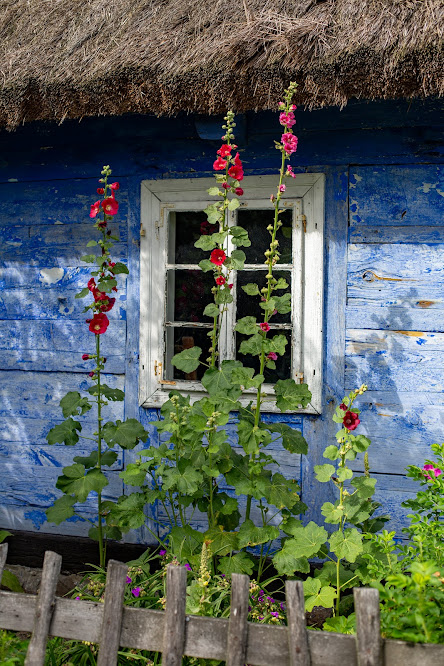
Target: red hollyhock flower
220 280
99 323
91 284
239 191
95 207
110 206
272 356
108 306
219 164
218 257
85 357
225 186
264 326
351 420
342 406
100 190
114 186
230 286
236 171
224 150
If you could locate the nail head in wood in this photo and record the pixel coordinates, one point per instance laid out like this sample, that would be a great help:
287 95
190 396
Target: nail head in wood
368 628
298 648
237 637
44 609
112 613
174 627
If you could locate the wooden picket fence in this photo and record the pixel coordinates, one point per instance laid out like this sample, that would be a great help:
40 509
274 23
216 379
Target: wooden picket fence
175 634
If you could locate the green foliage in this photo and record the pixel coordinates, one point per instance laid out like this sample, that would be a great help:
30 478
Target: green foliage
13 649
65 433
188 359
291 396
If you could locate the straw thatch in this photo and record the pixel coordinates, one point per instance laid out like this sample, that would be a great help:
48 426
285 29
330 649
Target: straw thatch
71 58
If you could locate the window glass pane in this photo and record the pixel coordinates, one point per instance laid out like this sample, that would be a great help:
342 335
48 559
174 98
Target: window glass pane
249 305
283 363
256 223
185 229
185 337
188 293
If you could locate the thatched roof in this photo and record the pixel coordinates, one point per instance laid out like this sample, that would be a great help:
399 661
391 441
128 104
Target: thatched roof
71 58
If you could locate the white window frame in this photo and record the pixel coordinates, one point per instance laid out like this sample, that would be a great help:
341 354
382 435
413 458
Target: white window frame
305 194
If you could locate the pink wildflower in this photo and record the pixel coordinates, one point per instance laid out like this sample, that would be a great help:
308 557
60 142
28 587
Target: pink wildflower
264 326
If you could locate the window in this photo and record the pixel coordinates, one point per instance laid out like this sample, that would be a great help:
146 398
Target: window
174 291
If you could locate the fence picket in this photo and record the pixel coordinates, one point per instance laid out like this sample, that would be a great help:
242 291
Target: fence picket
3 555
112 613
299 651
237 638
44 609
174 627
368 629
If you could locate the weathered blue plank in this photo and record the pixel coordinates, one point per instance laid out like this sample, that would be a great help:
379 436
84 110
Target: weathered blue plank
52 303
364 314
32 518
386 234
44 455
70 278
49 257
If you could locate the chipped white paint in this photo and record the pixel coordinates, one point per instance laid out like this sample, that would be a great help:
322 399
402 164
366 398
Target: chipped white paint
426 187
14 243
65 309
51 275
357 178
58 222
12 180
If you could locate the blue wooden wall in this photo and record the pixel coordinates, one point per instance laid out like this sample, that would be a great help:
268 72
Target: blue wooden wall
383 282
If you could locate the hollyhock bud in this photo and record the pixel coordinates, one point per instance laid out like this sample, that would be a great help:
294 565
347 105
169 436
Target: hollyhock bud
114 186
224 150
290 172
95 207
239 191
99 323
220 280
282 188
230 286
219 164
104 359
101 224
91 374
272 356
100 190
272 197
264 327
107 307
342 406
110 206
225 186
218 257
351 420
85 357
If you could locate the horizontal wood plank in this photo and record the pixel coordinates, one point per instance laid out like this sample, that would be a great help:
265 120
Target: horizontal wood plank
395 234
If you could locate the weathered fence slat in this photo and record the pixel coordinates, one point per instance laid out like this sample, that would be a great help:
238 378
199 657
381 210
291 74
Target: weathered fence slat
44 609
174 627
237 638
299 651
112 613
368 629
3 555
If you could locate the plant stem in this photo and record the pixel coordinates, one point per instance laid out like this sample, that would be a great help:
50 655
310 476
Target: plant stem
99 455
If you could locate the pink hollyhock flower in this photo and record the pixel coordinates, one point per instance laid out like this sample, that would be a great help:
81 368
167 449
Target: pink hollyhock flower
219 164
264 326
287 119
100 190
239 191
224 150
110 206
342 406
272 356
136 592
290 142
433 470
99 323
220 280
290 171
114 186
282 188
218 257
293 107
85 357
95 207
351 420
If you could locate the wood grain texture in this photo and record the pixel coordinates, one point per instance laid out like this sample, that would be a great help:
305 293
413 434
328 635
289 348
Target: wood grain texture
3 556
237 638
44 609
298 649
174 625
112 613
368 628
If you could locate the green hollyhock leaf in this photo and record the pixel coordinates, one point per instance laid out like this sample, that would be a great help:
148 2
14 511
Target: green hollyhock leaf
186 480
205 265
246 325
120 268
308 540
214 192
315 595
64 433
73 404
251 289
133 475
324 472
91 243
211 310
287 562
328 574
233 204
291 396
213 213
276 344
219 380
223 296
250 535
187 360
239 563
61 510
249 438
185 542
331 452
87 461
282 303
206 243
279 491
292 439
129 512
348 545
240 237
88 258
221 543
244 377
360 443
75 481
11 581
331 513
126 434
268 306
106 286
81 294
107 392
364 485
344 473
238 259
357 509
109 531
4 534
281 284
252 345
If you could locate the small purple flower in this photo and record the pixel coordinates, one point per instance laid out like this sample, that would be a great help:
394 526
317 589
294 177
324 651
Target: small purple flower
128 580
77 598
274 613
162 553
187 566
136 592
282 607
249 609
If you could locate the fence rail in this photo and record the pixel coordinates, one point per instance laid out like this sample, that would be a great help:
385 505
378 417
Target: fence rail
235 640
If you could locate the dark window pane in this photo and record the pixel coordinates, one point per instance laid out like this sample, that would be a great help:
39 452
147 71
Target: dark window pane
180 338
188 293
283 363
256 223
184 232
249 305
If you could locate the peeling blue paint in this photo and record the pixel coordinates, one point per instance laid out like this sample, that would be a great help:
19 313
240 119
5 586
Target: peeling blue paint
38 518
